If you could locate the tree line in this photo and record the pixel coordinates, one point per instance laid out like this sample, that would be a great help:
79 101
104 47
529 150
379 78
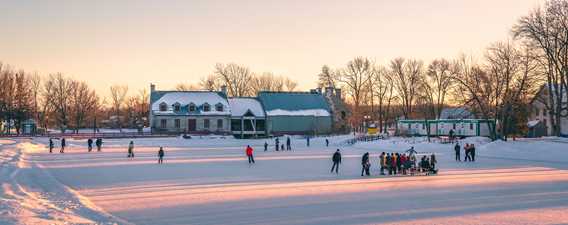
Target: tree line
499 85
64 103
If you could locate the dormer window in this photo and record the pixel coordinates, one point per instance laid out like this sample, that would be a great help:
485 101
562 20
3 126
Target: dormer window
219 107
163 106
177 107
192 107
206 107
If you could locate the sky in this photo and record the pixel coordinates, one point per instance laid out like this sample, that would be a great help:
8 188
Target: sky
138 42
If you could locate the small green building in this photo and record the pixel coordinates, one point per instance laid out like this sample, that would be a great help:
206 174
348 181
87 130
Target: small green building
442 127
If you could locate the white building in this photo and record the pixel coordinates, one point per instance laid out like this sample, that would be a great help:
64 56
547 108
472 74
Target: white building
539 116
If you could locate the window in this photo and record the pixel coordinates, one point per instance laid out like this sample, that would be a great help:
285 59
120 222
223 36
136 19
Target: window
177 123
163 123
471 126
177 107
219 107
206 123
219 124
192 107
206 107
163 106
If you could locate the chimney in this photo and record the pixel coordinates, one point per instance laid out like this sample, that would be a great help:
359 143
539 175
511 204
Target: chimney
152 87
224 89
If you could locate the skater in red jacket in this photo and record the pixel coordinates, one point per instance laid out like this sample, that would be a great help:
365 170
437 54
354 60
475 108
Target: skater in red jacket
249 154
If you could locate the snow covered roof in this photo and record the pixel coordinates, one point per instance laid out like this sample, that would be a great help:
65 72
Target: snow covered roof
185 98
532 123
240 106
294 104
304 112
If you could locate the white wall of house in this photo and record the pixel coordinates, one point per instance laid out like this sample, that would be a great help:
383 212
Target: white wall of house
214 126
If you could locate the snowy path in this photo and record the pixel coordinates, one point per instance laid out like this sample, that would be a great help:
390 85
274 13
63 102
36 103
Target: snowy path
29 195
209 182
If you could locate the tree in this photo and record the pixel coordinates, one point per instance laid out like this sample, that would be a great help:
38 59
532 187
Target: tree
118 97
438 81
58 91
235 77
355 78
407 79
327 77
382 89
83 102
547 28
210 83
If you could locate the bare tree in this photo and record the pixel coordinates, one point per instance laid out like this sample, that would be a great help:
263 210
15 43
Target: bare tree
383 90
290 85
437 84
327 77
407 79
59 89
83 101
237 78
547 28
118 97
355 78
210 83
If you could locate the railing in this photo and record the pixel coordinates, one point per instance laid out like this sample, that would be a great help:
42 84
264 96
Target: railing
362 138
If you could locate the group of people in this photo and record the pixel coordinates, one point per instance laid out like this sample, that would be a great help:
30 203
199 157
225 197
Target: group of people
52 145
394 163
98 143
469 150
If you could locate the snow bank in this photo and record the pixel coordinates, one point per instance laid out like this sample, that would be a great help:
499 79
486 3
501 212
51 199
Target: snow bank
306 112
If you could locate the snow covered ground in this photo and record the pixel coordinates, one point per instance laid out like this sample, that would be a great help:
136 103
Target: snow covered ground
208 181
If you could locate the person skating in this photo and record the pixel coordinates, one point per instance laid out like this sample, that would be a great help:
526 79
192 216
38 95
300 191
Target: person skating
326 142
265 146
62 145
394 158
249 152
457 149
308 141
382 164
99 144
277 142
365 164
336 158
51 145
472 152
467 152
433 161
288 144
388 163
161 155
90 144
131 149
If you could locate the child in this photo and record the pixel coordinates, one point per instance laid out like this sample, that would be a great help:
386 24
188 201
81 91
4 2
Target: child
161 155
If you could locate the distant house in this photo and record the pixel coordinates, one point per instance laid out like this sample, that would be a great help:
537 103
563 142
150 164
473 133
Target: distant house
297 112
539 118
248 118
189 111
270 113
442 127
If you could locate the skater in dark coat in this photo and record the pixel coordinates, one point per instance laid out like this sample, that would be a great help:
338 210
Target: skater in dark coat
265 146
277 142
326 142
472 152
51 145
308 141
62 145
288 144
457 149
131 150
99 144
90 144
249 152
336 158
365 164
161 156
388 163
467 148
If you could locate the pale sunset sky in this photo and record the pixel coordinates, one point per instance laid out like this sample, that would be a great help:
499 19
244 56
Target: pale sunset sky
138 42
